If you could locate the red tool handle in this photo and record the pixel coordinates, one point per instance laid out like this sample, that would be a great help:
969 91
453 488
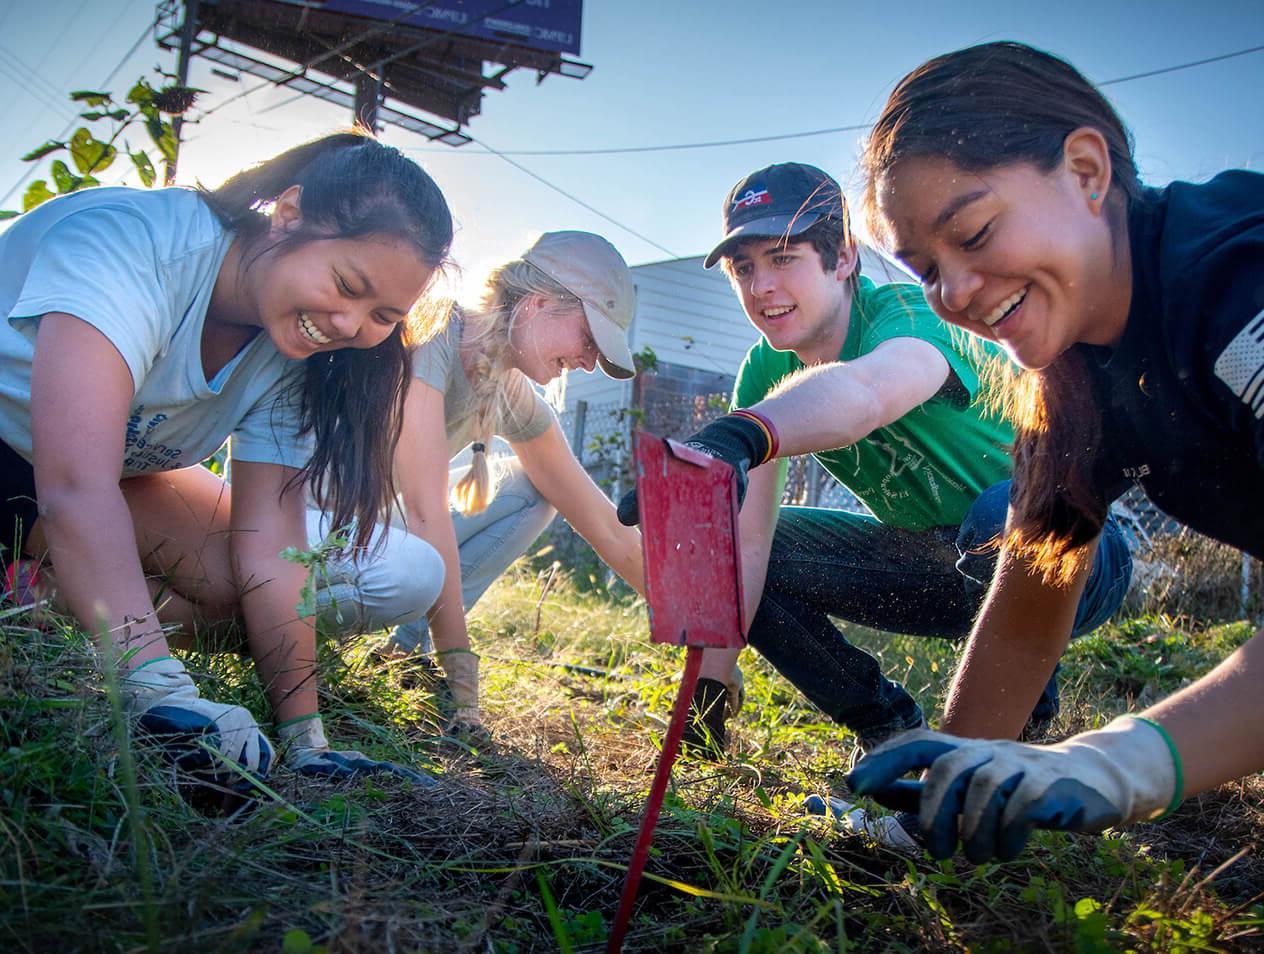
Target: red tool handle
667 758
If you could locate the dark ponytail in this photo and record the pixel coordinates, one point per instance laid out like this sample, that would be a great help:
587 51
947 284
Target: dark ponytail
352 399
991 105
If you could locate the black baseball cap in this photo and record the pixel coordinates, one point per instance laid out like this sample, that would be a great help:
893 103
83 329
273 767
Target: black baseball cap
781 200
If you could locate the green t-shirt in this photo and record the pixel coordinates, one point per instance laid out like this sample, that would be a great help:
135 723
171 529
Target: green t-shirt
927 468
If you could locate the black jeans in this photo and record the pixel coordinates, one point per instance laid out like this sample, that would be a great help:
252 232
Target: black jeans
830 563
18 509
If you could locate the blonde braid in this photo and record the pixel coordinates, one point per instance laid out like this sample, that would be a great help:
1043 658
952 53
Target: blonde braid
477 488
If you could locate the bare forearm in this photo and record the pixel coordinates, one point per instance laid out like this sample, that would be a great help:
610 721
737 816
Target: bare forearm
795 408
835 405
619 547
1215 723
283 644
1019 637
447 615
99 575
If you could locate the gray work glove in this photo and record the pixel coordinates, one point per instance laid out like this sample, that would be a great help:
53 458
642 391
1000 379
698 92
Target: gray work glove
995 793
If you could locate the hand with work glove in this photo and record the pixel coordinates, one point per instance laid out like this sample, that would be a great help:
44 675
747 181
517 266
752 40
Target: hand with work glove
199 736
713 704
994 793
305 750
460 670
743 439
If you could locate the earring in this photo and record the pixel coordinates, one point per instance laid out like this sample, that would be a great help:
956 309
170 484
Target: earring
1093 197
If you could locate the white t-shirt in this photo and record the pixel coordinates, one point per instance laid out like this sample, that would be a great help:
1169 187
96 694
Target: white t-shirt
438 364
140 266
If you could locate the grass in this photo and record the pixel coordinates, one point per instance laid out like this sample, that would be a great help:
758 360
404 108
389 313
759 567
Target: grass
523 844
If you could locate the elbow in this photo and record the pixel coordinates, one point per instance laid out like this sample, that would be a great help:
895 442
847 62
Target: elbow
66 497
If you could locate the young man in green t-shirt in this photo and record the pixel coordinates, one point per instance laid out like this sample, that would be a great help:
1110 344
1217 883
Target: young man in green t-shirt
883 394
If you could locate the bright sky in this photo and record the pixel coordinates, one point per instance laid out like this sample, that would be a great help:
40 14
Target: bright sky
672 72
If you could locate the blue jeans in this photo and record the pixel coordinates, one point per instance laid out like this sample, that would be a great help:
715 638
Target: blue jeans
830 563
488 543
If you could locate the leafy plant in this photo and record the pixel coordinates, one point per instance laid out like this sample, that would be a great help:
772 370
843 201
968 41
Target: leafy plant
94 146
315 560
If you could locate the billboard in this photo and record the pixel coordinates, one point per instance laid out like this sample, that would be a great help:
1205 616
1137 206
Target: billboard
551 25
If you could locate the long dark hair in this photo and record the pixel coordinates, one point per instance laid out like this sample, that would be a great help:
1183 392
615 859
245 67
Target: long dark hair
983 107
352 399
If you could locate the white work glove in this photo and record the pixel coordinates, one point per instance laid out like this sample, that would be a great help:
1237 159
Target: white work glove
886 830
994 793
460 669
305 750
162 700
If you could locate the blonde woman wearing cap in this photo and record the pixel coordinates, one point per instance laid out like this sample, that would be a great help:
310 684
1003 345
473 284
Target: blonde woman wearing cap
565 304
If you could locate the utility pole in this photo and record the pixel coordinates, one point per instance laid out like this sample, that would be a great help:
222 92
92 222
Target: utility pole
187 32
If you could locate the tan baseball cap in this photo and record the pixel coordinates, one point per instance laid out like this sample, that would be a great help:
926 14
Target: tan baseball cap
592 270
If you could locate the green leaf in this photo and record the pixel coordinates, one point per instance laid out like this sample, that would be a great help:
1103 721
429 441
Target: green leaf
91 97
8 214
168 143
560 933
40 152
141 94
89 153
62 178
144 168
93 115
296 941
36 193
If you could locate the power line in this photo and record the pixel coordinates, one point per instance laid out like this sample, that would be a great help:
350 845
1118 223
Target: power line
29 76
1181 66
506 155
685 145
106 82
578 201
857 127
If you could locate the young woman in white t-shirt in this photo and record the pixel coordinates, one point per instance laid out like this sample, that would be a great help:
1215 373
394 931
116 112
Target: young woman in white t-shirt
142 329
565 304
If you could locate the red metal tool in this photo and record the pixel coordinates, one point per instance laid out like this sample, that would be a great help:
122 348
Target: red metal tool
693 585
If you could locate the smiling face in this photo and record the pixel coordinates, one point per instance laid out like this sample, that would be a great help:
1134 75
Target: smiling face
336 293
548 338
1013 254
795 303
321 294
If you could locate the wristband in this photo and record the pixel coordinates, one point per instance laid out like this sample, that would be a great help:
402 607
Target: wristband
296 720
765 425
150 662
1179 787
